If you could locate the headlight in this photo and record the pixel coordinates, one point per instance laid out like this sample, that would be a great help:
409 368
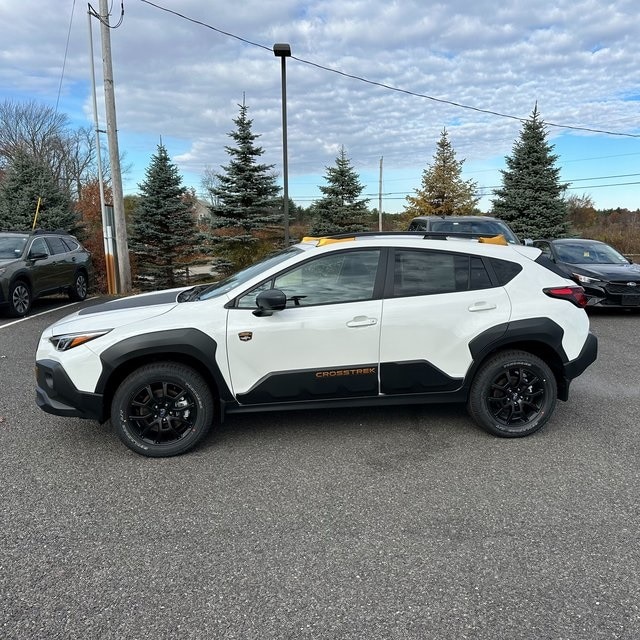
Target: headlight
71 340
585 279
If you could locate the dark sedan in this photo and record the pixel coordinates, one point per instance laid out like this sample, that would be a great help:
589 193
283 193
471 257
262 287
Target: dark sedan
608 278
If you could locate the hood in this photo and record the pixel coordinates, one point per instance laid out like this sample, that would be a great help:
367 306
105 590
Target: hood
116 313
618 272
4 262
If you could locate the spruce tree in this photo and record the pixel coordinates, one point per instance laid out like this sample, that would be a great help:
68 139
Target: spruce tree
27 179
245 216
164 239
443 191
341 209
531 198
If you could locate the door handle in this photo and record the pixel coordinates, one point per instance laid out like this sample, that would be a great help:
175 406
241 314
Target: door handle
482 306
361 321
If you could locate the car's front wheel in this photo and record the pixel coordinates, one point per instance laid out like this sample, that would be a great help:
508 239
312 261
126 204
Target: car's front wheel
78 291
162 409
513 394
19 299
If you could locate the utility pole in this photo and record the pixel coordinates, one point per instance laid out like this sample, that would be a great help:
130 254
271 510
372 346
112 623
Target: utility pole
380 198
122 249
107 229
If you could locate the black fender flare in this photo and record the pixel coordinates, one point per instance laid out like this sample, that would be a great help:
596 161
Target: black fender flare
188 344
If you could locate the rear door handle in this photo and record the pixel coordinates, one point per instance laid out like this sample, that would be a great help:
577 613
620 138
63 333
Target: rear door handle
482 306
361 321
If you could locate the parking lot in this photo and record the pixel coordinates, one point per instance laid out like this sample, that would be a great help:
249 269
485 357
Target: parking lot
398 523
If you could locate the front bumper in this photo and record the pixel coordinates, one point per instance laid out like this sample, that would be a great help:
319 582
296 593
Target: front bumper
56 394
613 295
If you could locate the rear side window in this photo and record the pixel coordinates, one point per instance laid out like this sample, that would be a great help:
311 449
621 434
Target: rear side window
419 273
505 271
56 245
70 243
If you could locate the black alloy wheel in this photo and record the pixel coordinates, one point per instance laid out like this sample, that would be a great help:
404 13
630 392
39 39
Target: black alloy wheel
162 409
513 394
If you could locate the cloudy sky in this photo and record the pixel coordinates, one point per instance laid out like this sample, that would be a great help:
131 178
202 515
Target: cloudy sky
381 77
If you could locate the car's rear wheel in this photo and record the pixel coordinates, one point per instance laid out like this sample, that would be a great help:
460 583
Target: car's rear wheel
162 409
78 291
19 299
513 394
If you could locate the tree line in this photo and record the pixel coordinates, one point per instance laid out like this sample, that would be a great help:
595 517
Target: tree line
48 167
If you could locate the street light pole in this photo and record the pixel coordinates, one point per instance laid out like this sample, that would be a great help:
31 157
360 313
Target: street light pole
283 51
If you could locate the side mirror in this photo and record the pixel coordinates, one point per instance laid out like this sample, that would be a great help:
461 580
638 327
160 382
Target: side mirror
527 242
269 301
38 255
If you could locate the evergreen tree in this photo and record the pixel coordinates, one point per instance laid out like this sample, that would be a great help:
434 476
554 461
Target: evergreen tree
164 240
27 179
341 210
531 198
443 191
245 215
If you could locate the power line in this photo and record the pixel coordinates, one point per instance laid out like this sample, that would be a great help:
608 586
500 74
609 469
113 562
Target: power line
66 52
390 87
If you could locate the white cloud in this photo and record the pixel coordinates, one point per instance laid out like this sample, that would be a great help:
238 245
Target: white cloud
183 81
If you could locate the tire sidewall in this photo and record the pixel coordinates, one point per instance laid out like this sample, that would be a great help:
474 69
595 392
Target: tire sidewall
167 372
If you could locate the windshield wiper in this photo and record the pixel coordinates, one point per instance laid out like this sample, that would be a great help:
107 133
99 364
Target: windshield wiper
191 294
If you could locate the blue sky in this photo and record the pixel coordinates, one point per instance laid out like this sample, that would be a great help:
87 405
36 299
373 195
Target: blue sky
470 69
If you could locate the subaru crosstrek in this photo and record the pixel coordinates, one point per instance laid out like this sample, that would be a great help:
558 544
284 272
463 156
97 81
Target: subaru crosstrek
363 319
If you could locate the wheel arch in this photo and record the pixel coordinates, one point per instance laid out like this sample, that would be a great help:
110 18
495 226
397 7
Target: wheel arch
189 347
22 276
539 336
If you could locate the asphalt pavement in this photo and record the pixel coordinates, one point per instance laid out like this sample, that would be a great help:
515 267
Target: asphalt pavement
395 523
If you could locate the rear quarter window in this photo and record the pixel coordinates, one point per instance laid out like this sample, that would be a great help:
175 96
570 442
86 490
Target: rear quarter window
504 270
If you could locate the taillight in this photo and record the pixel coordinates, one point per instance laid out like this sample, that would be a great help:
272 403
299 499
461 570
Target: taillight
576 295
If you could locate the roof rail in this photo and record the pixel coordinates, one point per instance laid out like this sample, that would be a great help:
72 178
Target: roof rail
427 235
60 232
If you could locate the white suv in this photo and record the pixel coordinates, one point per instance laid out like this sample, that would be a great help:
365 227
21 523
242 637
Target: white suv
363 319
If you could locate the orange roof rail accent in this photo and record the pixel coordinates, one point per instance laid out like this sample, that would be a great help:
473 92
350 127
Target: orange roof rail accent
321 241
499 239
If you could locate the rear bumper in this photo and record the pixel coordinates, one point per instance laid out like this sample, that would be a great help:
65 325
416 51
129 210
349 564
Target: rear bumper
576 367
56 394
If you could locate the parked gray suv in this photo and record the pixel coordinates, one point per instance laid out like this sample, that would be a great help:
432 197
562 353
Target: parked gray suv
472 225
39 264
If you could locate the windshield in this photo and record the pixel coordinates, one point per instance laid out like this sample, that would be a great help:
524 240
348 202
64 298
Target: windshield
12 246
219 288
589 253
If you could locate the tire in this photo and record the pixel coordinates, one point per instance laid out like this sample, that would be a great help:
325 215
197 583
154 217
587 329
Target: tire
162 409
19 299
78 291
513 394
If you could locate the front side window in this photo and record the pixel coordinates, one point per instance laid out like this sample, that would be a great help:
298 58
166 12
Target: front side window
39 246
345 276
